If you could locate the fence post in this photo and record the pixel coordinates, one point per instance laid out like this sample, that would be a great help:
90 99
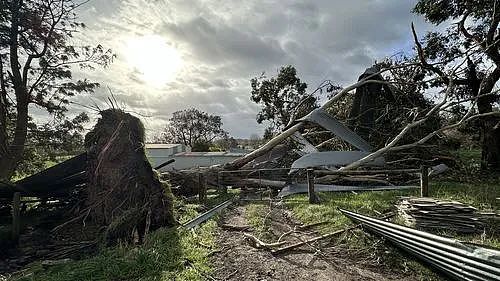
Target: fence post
313 198
220 186
16 216
424 181
202 187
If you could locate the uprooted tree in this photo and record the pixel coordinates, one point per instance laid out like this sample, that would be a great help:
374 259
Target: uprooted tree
37 53
123 192
420 126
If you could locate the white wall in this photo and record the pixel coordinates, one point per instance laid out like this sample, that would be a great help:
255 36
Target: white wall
186 162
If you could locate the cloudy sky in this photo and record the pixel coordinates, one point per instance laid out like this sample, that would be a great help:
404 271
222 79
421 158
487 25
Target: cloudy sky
176 54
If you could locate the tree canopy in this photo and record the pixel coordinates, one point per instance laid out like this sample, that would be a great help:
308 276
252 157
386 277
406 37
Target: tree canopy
194 128
282 98
37 56
472 37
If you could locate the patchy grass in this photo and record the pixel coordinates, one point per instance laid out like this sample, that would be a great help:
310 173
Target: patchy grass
256 215
482 196
167 254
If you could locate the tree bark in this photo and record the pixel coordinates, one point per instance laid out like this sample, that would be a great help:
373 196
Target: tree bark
10 158
489 125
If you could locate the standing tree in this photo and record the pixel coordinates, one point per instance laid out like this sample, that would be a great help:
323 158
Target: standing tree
283 98
194 128
474 36
37 53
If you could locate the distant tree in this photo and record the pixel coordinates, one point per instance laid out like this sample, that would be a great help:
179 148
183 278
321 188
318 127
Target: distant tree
226 142
282 98
473 35
254 140
194 128
37 53
51 143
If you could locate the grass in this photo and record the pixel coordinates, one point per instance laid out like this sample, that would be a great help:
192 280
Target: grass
256 216
167 254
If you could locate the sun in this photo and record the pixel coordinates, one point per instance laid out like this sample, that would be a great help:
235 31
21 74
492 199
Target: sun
155 60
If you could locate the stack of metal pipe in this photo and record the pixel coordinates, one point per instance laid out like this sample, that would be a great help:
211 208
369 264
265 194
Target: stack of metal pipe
457 260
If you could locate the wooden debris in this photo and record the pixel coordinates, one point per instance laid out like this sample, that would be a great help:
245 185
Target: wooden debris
235 227
257 243
432 213
324 236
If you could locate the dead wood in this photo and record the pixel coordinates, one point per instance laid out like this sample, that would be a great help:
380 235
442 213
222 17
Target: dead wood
235 227
324 236
257 243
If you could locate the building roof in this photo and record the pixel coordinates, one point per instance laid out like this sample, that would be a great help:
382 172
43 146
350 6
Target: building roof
209 154
161 145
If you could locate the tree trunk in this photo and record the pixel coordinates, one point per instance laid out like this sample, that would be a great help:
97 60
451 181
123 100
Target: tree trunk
490 155
11 157
489 125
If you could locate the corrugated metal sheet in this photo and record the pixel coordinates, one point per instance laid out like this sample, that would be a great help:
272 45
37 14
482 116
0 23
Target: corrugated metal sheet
332 158
320 117
295 188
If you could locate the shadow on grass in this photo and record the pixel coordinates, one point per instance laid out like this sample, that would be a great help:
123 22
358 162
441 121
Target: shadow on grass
167 254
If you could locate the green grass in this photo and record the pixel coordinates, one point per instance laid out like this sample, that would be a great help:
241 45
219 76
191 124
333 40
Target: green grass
256 216
167 254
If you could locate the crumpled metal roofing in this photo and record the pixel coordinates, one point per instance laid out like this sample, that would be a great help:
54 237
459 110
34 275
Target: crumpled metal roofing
458 260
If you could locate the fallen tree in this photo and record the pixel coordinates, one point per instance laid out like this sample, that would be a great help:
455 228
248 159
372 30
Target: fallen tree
448 98
124 192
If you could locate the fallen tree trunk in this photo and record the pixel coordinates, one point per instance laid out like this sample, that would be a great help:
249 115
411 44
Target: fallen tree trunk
240 162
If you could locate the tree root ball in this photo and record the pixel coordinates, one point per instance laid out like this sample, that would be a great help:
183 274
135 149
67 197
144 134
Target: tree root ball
124 192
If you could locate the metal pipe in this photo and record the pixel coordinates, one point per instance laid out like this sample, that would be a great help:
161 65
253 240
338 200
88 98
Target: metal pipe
208 214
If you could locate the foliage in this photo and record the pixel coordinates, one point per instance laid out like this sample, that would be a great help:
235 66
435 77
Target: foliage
282 98
37 55
224 143
472 37
194 128
51 143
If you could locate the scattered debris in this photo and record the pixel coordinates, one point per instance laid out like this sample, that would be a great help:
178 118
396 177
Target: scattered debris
457 260
259 244
235 227
302 188
324 236
430 213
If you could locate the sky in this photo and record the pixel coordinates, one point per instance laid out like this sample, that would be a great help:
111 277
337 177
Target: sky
177 54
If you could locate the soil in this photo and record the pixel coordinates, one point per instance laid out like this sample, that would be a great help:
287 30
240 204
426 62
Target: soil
239 260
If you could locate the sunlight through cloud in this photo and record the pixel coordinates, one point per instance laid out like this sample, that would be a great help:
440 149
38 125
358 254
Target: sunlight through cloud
155 60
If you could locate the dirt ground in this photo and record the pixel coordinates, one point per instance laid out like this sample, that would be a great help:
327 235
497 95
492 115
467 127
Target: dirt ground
239 260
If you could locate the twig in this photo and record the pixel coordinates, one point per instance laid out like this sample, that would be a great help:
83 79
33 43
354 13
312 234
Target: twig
259 244
302 227
324 236
235 227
